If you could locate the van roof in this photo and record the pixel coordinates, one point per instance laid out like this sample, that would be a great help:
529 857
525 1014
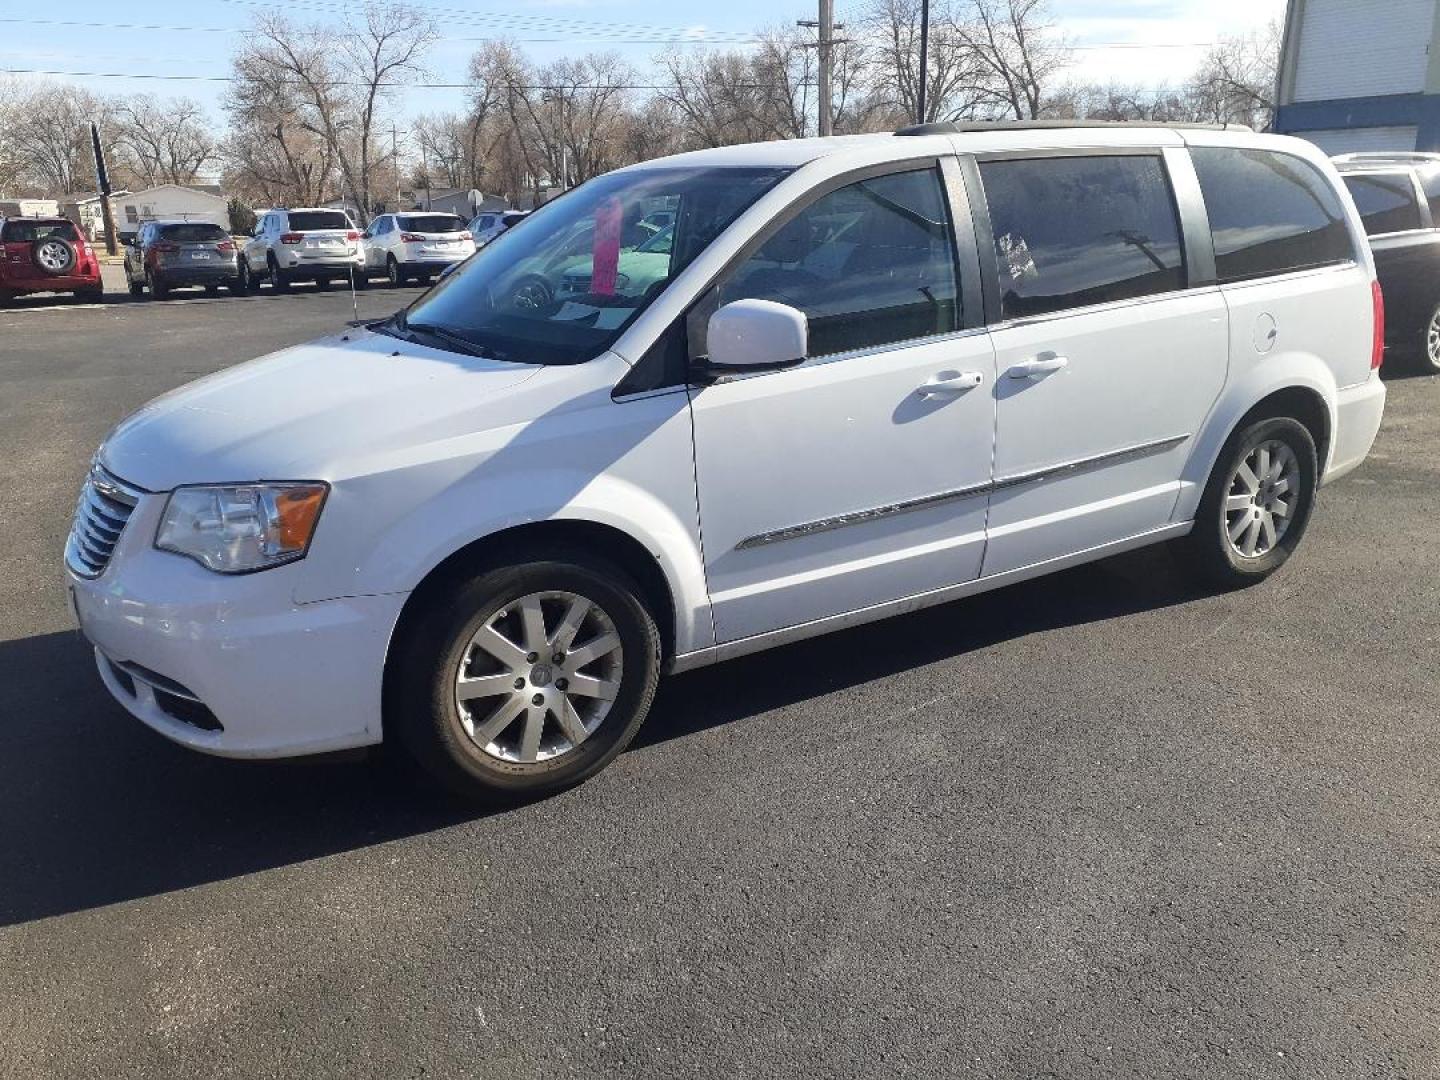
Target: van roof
974 137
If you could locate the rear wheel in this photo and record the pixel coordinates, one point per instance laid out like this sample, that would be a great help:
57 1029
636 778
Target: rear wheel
244 282
213 289
158 289
137 288
526 678
322 283
1256 504
1427 358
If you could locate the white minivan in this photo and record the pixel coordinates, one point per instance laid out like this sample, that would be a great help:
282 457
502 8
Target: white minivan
879 372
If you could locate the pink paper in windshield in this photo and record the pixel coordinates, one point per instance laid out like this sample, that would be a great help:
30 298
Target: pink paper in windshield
606 252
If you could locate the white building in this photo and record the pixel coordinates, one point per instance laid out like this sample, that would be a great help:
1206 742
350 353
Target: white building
167 201
1361 74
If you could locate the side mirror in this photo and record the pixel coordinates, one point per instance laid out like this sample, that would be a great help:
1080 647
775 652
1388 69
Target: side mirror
755 335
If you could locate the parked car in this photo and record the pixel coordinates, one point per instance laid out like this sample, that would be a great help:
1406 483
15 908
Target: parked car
485 227
418 245
303 244
45 254
1398 196
165 255
881 372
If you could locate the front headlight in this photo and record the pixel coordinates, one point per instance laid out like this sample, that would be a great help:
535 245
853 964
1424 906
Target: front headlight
238 528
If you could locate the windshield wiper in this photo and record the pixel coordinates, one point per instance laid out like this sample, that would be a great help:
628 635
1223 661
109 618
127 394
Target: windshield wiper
457 342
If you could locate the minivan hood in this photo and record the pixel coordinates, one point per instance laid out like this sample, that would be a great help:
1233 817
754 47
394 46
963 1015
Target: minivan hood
299 414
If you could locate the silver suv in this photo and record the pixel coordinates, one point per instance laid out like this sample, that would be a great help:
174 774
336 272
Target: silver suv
302 244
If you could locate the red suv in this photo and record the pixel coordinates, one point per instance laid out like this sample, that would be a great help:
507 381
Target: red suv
46 255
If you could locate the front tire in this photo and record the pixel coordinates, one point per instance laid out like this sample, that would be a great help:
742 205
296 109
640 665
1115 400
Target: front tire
393 272
244 281
1256 504
137 288
158 289
527 678
279 280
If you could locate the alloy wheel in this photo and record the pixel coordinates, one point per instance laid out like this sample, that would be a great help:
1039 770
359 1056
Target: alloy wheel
1432 340
53 256
525 690
1262 498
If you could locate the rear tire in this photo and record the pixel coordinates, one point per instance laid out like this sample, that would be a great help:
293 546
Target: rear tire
1251 519
212 290
534 751
137 288
1426 358
322 283
158 289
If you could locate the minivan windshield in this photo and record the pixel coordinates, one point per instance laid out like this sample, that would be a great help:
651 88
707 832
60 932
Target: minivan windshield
561 285
430 223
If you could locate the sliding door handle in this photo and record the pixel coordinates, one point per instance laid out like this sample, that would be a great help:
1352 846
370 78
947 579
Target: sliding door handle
1041 365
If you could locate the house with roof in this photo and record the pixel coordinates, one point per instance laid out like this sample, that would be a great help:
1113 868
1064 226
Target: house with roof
168 201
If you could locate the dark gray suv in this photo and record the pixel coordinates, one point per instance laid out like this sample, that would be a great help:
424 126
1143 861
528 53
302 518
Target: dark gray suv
170 254
1398 196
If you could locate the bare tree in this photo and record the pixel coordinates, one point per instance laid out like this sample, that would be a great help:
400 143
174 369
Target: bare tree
341 76
1015 55
162 141
892 32
1236 81
48 136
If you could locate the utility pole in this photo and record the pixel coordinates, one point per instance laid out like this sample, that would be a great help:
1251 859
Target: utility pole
102 183
395 159
825 53
924 58
825 43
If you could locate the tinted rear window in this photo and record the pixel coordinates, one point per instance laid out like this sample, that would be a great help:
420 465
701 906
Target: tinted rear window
430 223
1386 201
1072 231
1270 213
20 232
193 233
305 220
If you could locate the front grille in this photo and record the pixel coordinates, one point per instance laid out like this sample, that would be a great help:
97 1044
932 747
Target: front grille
100 516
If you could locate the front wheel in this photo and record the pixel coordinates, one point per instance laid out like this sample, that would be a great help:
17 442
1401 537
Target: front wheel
1256 504
244 281
526 678
137 288
159 290
393 272
279 280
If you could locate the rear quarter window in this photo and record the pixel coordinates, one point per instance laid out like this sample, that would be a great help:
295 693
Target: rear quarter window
1075 231
1270 213
1386 201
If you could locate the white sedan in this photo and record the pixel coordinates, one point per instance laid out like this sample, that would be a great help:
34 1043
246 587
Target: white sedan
407 246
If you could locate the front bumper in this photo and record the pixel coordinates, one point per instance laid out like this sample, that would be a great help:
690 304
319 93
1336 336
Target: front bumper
280 679
1358 412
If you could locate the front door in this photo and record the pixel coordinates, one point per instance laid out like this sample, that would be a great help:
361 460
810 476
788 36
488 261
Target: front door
1107 364
860 476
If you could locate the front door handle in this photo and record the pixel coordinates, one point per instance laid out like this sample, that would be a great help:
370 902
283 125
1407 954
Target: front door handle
1041 365
949 383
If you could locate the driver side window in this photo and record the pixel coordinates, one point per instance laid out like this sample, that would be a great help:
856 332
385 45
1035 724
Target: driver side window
870 264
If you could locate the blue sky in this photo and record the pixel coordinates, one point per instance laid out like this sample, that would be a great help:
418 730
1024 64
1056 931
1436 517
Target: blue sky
1161 39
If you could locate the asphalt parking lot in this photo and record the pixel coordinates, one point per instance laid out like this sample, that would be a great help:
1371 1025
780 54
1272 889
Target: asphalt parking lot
1103 824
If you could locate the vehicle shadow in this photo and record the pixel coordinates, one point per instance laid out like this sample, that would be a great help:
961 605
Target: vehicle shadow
95 809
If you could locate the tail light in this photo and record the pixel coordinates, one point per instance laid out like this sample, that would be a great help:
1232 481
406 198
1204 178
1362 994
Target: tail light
352 235
1377 345
225 246
411 238
291 238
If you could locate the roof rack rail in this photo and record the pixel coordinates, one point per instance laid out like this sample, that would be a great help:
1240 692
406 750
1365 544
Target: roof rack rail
960 127
1386 155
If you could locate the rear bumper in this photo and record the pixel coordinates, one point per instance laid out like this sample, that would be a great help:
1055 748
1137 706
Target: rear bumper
207 274
68 283
1358 412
